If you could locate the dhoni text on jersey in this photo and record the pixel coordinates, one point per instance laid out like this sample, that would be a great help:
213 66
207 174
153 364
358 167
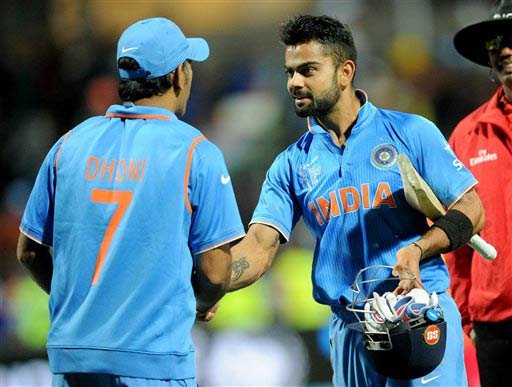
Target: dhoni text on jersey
117 170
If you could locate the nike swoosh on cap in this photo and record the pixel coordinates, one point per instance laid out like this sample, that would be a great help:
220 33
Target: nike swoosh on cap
125 50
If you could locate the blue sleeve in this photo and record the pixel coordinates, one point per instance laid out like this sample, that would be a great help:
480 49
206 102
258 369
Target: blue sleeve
37 220
437 163
277 206
215 217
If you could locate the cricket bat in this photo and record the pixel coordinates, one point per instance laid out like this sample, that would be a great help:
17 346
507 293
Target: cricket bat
421 197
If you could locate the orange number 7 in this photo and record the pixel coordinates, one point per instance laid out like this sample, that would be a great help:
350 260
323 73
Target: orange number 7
123 198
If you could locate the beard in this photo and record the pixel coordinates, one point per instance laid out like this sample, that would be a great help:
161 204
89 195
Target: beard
320 105
503 77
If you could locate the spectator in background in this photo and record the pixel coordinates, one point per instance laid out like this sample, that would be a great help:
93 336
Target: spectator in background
483 142
131 202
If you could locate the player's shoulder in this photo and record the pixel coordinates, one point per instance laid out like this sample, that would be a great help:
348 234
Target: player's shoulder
403 120
407 126
298 149
182 129
89 123
84 130
188 135
185 126
206 149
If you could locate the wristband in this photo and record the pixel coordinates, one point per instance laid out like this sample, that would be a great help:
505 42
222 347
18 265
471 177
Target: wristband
419 247
457 227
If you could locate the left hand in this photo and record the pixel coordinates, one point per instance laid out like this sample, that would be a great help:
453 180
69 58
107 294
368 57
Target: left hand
407 268
208 315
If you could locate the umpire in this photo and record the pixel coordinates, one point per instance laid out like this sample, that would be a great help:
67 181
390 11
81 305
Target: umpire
482 141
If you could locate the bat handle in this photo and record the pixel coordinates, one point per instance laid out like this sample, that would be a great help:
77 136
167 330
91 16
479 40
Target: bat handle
485 249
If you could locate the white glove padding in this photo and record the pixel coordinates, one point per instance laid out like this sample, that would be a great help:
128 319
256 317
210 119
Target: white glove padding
421 296
390 306
422 302
373 320
434 300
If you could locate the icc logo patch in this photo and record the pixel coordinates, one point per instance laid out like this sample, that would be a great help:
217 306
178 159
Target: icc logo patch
384 156
308 174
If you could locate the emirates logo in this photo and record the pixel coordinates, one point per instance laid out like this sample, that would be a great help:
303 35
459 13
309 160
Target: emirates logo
483 156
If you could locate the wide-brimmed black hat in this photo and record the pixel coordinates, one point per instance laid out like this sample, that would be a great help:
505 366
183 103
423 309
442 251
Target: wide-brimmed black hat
470 41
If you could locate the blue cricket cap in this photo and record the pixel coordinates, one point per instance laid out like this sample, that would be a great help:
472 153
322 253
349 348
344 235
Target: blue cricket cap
159 47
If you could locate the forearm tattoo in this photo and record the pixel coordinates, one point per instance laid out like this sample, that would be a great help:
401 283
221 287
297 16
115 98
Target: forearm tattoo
238 268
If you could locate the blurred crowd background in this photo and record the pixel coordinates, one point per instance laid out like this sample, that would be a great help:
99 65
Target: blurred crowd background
57 67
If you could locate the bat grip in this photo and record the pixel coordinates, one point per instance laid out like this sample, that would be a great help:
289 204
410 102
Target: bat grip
485 249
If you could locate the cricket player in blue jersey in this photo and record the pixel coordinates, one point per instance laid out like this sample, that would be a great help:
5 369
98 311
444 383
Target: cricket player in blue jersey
129 224
342 178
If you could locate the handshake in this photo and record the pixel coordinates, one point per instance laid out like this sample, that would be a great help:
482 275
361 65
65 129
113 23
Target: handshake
391 308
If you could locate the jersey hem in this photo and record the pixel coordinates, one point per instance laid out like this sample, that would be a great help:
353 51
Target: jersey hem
473 184
30 233
278 227
219 241
225 241
122 363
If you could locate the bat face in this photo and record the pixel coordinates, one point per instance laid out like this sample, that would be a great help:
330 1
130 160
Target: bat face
421 197
417 192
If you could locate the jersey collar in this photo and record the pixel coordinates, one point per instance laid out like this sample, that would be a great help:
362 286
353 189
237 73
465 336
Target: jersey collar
364 111
130 111
493 112
314 127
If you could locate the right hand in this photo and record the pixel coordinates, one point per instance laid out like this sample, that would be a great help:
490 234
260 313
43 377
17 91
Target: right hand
407 268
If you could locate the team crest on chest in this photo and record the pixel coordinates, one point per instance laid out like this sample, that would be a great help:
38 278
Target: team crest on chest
384 156
308 174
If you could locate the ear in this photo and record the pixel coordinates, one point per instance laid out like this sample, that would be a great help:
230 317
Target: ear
346 72
178 79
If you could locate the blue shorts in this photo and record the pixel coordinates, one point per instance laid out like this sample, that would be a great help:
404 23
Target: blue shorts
107 380
351 368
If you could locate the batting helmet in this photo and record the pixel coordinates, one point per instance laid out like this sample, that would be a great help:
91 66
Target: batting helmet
404 337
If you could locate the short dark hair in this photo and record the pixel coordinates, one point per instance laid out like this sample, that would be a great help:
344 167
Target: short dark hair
331 33
134 89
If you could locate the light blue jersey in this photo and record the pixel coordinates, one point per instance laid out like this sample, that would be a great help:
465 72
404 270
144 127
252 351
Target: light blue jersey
353 203
352 198
126 201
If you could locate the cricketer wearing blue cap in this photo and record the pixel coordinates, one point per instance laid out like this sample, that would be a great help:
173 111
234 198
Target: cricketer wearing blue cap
342 178
139 210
